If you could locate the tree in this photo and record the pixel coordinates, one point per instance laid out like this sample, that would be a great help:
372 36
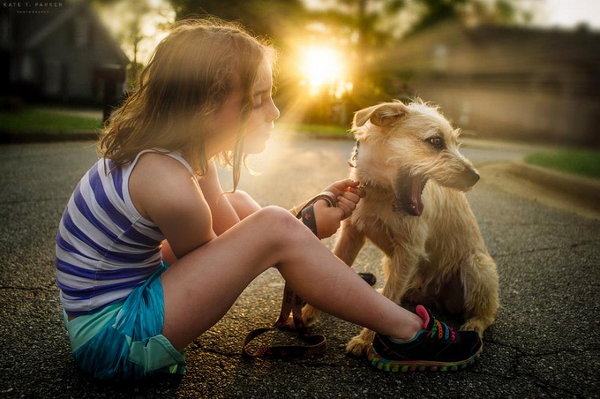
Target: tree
471 11
138 25
267 18
363 20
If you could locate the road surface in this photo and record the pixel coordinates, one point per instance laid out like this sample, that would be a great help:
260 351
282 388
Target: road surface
545 342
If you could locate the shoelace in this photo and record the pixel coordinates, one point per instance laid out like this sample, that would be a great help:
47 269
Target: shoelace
442 331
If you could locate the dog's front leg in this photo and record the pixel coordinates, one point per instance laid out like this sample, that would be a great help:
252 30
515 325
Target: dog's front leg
480 284
347 247
349 243
400 270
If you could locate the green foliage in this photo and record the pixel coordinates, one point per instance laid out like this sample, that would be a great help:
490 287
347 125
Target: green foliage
436 11
34 121
498 11
579 161
363 17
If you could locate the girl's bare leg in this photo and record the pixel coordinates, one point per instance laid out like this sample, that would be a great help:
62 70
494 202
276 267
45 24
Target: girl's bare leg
243 203
205 283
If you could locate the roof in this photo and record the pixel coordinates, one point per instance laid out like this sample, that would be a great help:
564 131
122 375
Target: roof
497 48
31 30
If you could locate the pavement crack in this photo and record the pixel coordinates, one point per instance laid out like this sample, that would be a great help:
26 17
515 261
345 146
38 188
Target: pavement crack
336 365
543 249
219 353
304 363
518 369
24 288
34 200
522 352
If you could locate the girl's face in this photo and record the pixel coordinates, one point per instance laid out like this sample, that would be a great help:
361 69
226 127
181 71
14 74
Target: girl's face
264 111
260 120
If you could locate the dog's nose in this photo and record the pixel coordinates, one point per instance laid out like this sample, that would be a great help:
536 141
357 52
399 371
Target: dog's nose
474 176
471 176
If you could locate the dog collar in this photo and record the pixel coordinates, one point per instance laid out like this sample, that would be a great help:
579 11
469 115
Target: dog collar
352 163
354 157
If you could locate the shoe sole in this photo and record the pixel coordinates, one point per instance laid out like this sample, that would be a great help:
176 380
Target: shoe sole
384 364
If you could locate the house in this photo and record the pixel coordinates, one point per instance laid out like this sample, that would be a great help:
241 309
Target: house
505 81
59 52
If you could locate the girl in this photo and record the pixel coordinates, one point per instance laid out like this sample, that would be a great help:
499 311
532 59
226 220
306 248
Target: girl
150 252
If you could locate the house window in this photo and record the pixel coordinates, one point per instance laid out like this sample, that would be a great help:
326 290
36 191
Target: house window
80 32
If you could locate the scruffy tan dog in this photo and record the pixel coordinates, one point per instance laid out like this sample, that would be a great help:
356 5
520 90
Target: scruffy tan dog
416 212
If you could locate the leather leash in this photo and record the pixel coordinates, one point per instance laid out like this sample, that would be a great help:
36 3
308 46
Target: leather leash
314 344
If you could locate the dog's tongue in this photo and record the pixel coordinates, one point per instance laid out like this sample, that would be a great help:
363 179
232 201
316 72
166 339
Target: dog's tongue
415 206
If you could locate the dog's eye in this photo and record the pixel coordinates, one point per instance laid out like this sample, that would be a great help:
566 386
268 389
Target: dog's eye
436 142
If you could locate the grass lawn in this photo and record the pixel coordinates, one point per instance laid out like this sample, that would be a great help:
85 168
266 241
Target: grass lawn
326 130
35 121
577 161
38 121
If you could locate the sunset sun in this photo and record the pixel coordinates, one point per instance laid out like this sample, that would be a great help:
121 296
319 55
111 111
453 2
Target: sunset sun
323 67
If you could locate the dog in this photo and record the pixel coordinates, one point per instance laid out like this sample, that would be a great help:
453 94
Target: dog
415 210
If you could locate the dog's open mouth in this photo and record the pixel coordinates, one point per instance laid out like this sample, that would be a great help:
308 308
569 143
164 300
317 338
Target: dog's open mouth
408 191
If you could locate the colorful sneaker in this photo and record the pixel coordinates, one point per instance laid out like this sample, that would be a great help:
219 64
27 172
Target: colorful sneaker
435 347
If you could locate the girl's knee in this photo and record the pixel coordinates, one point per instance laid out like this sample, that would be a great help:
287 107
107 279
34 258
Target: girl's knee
276 217
243 203
281 224
237 196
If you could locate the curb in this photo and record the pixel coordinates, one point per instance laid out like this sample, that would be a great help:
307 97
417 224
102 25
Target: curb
485 144
585 189
50 137
575 193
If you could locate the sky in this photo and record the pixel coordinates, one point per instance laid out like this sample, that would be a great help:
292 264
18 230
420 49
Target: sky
569 13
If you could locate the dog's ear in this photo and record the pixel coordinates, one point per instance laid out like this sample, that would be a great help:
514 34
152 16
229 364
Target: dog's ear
380 115
362 116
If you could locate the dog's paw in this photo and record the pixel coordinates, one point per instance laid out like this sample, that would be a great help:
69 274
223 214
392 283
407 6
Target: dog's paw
357 346
289 324
476 325
310 315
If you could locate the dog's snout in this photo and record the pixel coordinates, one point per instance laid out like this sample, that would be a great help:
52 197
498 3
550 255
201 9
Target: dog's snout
471 176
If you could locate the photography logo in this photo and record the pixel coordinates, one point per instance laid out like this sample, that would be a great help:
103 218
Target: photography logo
32 7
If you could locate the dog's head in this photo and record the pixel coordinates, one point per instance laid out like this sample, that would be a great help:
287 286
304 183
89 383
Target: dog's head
403 146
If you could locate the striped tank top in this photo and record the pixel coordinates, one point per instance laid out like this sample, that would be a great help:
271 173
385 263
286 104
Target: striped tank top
104 247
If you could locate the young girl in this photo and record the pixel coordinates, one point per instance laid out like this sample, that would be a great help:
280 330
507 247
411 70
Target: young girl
150 252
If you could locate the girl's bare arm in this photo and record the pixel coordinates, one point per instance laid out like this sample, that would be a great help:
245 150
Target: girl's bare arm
224 214
164 191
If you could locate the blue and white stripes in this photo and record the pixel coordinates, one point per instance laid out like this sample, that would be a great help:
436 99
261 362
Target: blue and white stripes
104 247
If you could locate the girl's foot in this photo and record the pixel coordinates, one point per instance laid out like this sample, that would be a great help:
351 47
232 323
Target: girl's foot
436 346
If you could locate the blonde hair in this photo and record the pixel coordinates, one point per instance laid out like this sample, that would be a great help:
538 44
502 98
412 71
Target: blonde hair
190 74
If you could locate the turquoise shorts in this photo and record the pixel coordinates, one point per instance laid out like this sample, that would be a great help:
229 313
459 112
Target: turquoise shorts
124 341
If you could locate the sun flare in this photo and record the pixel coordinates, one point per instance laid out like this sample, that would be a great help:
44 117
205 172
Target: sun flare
323 68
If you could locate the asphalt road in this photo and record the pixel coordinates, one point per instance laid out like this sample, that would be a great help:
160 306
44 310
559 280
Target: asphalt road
545 342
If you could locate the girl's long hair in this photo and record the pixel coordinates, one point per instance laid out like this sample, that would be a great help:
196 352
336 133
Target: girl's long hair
190 74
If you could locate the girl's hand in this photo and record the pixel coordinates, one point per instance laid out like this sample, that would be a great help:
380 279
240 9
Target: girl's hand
328 219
